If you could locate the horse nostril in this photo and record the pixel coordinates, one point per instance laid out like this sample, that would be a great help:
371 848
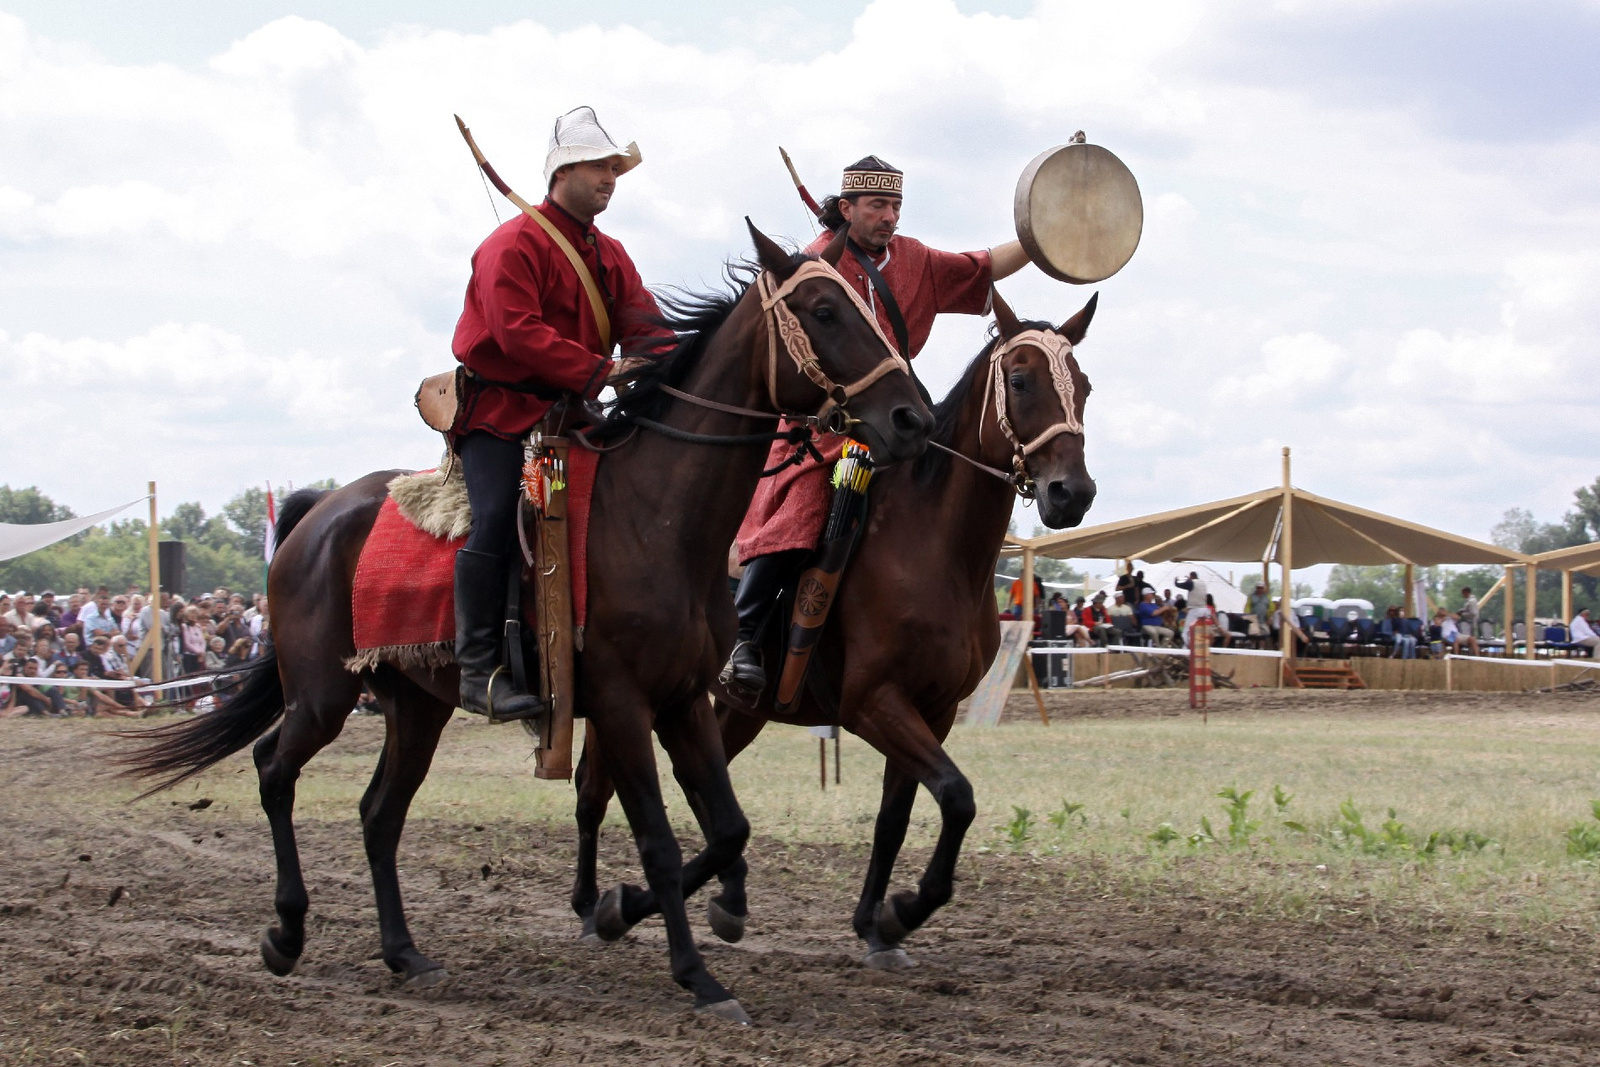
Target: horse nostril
908 420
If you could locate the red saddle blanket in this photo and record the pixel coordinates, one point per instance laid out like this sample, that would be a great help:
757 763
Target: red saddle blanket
404 596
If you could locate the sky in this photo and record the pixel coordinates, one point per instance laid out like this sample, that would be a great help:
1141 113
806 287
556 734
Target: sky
233 237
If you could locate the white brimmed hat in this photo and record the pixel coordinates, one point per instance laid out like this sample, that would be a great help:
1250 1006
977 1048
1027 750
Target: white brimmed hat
578 137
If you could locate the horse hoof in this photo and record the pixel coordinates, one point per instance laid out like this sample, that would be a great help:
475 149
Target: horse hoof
427 979
890 928
609 925
889 959
278 963
727 1010
724 924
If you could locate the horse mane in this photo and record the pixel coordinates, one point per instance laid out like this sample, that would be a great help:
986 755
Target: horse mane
932 466
694 319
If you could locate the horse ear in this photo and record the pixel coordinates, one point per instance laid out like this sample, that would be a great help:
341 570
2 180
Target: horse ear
1004 319
769 253
835 250
1076 327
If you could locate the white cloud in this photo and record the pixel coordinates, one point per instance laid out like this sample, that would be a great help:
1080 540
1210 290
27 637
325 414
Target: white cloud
280 237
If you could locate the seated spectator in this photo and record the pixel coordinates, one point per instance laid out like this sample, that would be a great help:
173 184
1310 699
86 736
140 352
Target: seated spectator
96 618
12 661
239 652
1222 625
1152 621
1392 626
1581 632
21 613
46 610
46 645
216 654
71 651
75 700
1098 620
8 640
37 700
1057 603
1449 632
1120 607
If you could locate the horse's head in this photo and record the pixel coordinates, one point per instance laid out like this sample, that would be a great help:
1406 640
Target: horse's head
838 363
1041 391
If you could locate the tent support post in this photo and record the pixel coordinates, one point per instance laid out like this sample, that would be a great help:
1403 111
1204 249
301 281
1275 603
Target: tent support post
1286 622
1529 598
1511 611
1566 599
155 590
1411 590
1027 584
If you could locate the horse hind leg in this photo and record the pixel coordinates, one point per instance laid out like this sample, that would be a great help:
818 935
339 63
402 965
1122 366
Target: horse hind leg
888 834
310 723
414 720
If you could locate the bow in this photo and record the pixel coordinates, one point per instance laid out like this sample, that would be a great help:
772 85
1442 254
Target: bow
489 171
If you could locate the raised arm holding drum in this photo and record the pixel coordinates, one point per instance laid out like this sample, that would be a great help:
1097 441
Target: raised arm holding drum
907 284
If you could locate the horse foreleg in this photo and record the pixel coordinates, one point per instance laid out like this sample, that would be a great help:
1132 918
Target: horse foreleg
692 742
631 761
594 795
909 744
414 720
888 834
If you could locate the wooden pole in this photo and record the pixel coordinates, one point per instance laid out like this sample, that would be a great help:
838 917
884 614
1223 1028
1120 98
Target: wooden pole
1033 684
1566 600
1449 677
1411 590
156 646
1027 584
838 732
1511 610
822 773
1529 598
1286 561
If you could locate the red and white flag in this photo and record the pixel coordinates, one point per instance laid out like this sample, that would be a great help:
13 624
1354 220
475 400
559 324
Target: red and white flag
272 525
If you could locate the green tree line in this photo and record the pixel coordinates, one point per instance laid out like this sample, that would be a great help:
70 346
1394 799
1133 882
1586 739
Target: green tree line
224 549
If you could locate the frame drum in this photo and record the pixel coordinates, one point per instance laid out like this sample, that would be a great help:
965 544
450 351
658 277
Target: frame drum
1078 213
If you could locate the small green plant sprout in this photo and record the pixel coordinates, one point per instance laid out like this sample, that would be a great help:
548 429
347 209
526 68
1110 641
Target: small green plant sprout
1163 835
1202 836
1126 813
1583 840
1067 814
1393 837
1020 828
1280 804
1240 825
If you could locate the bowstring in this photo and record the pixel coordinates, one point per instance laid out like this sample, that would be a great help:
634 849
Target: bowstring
487 192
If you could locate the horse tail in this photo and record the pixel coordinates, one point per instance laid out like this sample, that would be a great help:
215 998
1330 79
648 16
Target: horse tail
178 751
300 502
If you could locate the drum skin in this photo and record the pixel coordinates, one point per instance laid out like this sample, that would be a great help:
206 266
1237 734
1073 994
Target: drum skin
1078 213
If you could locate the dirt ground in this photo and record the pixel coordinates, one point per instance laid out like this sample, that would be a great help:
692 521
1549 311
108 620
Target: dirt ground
129 935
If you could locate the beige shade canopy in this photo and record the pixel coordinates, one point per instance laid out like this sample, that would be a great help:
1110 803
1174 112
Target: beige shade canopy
1583 558
1247 529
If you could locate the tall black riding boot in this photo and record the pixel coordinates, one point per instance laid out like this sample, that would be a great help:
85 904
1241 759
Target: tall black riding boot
486 687
764 577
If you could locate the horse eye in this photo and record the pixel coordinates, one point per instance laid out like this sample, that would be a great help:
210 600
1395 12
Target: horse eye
824 313
1019 383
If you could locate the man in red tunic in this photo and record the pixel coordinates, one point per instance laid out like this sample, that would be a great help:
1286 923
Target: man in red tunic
528 336
907 284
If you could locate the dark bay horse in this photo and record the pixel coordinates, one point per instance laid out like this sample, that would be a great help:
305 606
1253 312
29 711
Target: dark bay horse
664 510
914 629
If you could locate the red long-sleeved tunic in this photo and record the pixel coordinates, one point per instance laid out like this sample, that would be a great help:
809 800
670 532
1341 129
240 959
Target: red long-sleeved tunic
791 508
528 321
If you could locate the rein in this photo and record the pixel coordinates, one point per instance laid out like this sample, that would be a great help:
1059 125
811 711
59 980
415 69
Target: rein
832 417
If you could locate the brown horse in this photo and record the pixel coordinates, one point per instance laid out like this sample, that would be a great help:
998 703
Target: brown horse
914 628
665 506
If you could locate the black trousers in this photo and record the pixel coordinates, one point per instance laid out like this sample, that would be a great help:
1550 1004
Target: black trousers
492 468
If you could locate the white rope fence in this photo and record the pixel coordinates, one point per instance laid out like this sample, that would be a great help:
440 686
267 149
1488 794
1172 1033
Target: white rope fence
140 686
1101 650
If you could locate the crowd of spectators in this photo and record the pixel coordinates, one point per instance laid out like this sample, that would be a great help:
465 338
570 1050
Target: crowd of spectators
100 635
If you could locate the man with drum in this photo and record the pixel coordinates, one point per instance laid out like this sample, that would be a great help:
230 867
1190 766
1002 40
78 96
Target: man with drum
528 336
907 284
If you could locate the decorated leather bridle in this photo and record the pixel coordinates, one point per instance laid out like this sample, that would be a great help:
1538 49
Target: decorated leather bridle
783 325
1057 349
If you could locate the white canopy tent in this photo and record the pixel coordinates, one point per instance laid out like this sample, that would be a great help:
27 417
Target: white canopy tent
19 539
1285 525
